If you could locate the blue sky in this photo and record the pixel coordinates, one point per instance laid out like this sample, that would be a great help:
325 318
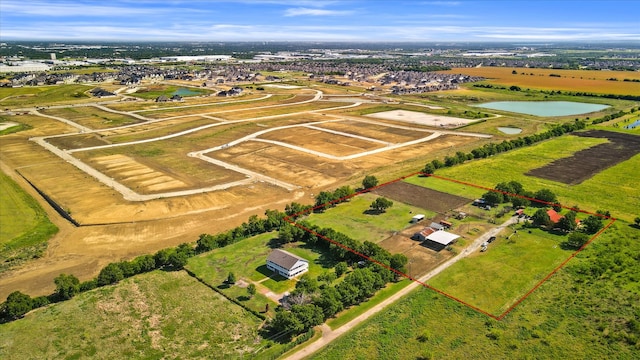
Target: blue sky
320 20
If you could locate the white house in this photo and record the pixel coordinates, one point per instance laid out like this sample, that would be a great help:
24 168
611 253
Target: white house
286 264
417 218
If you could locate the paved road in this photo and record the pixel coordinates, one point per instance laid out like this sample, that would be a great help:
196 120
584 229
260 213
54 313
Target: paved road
329 335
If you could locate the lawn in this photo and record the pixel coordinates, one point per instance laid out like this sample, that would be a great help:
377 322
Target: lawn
353 219
151 316
247 260
495 279
25 226
616 187
577 313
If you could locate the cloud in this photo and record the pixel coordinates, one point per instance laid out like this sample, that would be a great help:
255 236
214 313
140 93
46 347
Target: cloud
301 11
73 9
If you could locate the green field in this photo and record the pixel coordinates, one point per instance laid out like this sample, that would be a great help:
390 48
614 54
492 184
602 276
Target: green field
588 310
168 91
151 316
447 186
351 219
495 279
616 187
247 260
25 226
41 95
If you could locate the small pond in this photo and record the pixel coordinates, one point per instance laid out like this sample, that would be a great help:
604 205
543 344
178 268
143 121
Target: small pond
544 108
185 92
510 130
633 125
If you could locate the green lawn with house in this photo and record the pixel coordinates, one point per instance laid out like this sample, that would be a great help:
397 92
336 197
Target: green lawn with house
247 259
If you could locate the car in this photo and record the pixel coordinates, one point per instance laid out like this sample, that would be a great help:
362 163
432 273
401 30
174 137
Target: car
491 239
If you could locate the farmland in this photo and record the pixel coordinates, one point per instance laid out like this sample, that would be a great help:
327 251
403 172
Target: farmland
554 79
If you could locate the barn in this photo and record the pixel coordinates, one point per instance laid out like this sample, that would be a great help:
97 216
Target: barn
440 239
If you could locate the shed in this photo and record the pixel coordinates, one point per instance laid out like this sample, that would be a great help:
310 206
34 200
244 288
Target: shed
423 234
446 224
436 226
417 218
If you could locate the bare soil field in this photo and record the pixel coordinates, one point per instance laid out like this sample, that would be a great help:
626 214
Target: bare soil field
421 258
380 132
285 164
91 117
593 81
586 163
76 141
280 110
421 197
325 142
415 117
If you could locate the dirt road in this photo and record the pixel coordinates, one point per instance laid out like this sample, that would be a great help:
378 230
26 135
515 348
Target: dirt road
329 335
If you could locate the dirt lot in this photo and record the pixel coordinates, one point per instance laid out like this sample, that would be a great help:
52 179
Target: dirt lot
421 197
380 132
416 117
325 142
587 163
421 258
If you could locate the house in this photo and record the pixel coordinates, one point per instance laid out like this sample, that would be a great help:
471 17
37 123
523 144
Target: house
436 226
286 264
554 216
162 98
438 240
417 218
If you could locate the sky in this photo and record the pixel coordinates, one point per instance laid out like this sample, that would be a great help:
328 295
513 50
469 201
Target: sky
321 20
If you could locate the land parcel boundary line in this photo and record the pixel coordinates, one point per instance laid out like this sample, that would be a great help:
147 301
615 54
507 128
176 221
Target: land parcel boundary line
516 298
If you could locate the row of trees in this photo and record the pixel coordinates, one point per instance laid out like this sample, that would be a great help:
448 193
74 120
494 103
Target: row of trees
491 149
315 300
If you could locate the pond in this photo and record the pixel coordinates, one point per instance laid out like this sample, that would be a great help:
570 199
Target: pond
544 108
185 92
510 130
633 125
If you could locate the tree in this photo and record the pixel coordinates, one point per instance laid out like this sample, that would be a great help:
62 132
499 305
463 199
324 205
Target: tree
177 260
568 222
369 181
324 199
381 204
309 315
429 169
341 268
343 193
493 197
546 196
286 323
251 289
231 278
66 286
330 301
307 284
17 305
541 218
592 224
637 221
577 239
110 274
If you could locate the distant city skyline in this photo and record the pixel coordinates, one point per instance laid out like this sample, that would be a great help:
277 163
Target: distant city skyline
320 20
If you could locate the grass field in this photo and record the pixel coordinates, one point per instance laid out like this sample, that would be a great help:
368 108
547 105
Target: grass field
153 91
616 187
41 95
568 80
447 186
247 260
352 219
495 279
577 313
151 316
25 226
91 116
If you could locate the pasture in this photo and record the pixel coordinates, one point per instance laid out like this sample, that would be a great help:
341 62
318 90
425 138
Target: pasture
42 95
152 315
92 117
495 279
25 226
354 219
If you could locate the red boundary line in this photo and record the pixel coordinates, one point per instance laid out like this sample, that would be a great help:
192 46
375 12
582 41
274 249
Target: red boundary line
498 317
